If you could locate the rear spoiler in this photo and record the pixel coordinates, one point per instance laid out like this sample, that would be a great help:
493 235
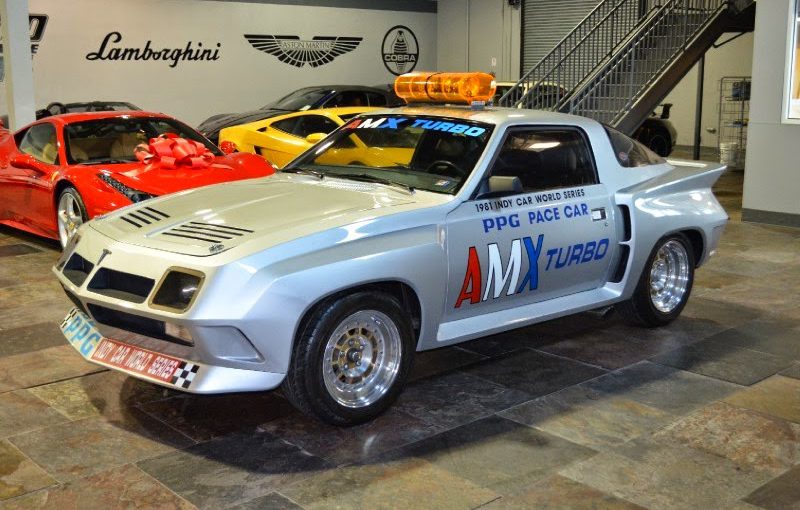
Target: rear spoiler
685 176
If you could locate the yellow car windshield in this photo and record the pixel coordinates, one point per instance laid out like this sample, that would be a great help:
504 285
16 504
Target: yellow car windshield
430 153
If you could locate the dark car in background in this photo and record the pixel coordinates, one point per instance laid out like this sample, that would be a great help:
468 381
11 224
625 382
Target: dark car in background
307 98
57 108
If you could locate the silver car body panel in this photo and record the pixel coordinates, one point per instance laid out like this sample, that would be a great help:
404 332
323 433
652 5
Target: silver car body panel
306 239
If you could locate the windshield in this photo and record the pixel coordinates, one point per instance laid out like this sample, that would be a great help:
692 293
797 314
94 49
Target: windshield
299 100
416 152
113 140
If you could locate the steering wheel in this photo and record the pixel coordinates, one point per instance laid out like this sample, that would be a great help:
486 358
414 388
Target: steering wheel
59 108
449 167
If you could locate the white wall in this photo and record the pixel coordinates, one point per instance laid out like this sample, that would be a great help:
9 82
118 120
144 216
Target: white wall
772 175
242 78
479 35
732 59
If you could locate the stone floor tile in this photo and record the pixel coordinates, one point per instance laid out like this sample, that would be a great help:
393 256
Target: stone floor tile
717 278
773 336
343 445
30 338
203 417
558 493
455 399
439 361
21 412
100 394
233 470
792 371
724 361
534 373
496 453
722 315
83 448
592 419
665 388
47 308
15 250
18 474
778 396
125 487
403 483
272 501
666 477
42 367
745 437
781 493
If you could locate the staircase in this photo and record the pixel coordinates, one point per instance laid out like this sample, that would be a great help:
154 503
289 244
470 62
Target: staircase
621 61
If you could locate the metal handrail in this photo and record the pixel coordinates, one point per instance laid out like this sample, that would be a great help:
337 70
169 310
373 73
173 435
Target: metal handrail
588 44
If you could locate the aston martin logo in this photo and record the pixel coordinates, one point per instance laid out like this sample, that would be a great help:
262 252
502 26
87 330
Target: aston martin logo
292 50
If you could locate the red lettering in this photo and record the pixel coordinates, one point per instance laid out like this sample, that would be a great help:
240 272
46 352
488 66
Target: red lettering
471 289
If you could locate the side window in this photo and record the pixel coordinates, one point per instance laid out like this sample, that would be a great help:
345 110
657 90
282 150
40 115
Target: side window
348 98
631 153
309 124
286 125
376 99
40 142
546 158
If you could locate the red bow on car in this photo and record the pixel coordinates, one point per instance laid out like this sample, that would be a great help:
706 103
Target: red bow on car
171 151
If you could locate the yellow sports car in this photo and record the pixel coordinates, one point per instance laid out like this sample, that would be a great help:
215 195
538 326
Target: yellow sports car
279 139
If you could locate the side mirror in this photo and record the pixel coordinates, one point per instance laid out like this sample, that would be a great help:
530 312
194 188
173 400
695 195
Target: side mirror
27 162
500 185
315 137
227 147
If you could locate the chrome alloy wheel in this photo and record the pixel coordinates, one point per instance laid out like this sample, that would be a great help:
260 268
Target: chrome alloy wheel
69 217
362 358
669 276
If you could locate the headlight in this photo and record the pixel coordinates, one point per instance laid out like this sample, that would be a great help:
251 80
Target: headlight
134 195
177 289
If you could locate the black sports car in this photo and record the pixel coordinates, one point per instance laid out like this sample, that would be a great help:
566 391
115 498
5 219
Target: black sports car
308 98
56 108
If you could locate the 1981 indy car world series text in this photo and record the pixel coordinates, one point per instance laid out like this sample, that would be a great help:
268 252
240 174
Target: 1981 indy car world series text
404 230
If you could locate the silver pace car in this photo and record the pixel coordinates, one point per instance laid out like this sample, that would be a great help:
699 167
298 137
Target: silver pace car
405 230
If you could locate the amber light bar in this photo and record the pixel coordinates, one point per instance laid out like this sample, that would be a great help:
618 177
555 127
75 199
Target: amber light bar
426 87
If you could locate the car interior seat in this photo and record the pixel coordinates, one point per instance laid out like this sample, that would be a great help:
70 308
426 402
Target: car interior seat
124 146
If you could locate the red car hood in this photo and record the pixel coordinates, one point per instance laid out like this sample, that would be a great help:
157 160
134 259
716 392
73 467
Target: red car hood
156 180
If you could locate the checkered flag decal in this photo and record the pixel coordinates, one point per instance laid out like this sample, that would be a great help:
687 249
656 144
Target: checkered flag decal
184 374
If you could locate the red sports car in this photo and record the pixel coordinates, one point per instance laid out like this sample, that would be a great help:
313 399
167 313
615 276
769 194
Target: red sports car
63 170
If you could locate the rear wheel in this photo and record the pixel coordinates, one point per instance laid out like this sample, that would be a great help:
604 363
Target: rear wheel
70 214
351 358
664 286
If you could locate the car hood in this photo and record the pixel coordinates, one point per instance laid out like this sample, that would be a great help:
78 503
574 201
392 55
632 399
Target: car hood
268 212
156 180
211 126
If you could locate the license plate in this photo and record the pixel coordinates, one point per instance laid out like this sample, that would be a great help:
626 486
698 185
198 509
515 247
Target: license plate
82 333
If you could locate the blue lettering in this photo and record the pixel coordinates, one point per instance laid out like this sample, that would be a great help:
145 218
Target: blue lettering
393 123
458 129
475 131
532 277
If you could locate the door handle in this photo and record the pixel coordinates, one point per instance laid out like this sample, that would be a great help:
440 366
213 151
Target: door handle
599 214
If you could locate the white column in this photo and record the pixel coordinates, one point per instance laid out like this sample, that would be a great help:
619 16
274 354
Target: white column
18 62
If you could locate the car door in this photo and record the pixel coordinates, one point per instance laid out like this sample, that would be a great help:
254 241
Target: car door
550 234
30 188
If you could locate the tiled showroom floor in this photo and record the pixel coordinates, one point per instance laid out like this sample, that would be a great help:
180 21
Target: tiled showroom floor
576 413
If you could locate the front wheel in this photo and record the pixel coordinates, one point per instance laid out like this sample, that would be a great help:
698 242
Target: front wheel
351 358
664 286
70 214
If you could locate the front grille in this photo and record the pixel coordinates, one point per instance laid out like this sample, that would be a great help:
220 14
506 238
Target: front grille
207 232
77 269
144 216
119 285
133 323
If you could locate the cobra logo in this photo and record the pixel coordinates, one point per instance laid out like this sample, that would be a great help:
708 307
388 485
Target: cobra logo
400 50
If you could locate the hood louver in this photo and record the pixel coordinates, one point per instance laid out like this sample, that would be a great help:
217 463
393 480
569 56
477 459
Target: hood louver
143 217
207 232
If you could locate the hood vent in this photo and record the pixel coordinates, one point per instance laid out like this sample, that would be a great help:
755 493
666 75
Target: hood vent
144 216
207 232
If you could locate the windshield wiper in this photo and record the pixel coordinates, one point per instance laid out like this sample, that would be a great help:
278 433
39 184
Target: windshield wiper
364 177
107 162
306 171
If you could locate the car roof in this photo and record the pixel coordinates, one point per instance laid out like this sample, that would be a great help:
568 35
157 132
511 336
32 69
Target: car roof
71 118
492 115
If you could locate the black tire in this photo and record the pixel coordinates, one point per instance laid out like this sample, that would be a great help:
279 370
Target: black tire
79 210
660 143
641 309
305 385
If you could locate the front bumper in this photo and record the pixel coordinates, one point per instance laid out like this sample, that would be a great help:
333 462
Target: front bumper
166 370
